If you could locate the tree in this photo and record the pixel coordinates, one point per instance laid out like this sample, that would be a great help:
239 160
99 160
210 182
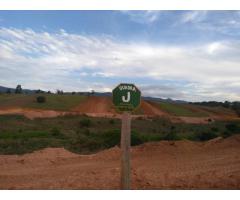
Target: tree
18 89
59 91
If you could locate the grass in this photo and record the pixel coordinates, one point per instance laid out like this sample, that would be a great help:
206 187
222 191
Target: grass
53 101
82 134
181 110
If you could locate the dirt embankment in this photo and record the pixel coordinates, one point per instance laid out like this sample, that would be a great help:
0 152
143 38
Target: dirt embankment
161 165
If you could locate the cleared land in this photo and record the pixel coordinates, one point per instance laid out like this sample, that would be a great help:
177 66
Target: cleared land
161 165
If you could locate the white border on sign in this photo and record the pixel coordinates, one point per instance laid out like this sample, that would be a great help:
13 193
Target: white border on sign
120 4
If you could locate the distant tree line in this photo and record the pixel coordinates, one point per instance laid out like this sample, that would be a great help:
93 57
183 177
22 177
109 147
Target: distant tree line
235 105
19 90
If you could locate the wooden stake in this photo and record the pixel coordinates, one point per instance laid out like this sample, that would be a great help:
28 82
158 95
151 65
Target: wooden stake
125 151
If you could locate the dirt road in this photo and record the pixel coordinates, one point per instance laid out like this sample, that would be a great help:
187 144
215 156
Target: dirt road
162 165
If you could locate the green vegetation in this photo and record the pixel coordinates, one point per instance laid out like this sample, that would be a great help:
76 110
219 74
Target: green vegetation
41 99
85 122
86 135
181 110
53 101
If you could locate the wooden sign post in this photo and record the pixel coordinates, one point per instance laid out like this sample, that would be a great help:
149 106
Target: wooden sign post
125 151
126 97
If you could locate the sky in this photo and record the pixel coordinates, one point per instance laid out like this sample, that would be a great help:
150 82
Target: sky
187 55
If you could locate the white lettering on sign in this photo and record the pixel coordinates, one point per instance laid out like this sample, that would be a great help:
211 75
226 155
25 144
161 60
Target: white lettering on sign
124 99
127 87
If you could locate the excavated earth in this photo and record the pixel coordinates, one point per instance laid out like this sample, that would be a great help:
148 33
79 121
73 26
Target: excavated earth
214 164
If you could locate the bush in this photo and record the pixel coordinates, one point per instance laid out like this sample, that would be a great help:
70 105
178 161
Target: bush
111 121
113 137
136 138
85 122
232 127
206 136
41 99
226 134
171 136
55 132
214 129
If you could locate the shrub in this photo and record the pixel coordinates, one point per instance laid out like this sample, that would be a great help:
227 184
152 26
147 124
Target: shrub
85 122
171 136
226 134
136 138
41 99
214 129
232 127
55 132
111 121
206 136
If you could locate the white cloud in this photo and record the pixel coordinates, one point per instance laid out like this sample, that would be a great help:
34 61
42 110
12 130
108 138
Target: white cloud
61 60
193 16
143 17
212 22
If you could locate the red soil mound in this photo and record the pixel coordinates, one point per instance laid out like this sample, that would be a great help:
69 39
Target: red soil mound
150 109
96 105
160 165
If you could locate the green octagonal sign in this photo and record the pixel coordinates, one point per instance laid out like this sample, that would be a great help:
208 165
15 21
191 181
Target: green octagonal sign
126 97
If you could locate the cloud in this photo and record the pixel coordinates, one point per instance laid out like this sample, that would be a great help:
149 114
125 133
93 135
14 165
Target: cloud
79 62
193 16
212 22
143 17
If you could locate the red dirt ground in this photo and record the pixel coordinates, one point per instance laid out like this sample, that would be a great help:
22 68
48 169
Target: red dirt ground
161 165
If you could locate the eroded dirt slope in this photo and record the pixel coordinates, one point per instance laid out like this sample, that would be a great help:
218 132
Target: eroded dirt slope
162 165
